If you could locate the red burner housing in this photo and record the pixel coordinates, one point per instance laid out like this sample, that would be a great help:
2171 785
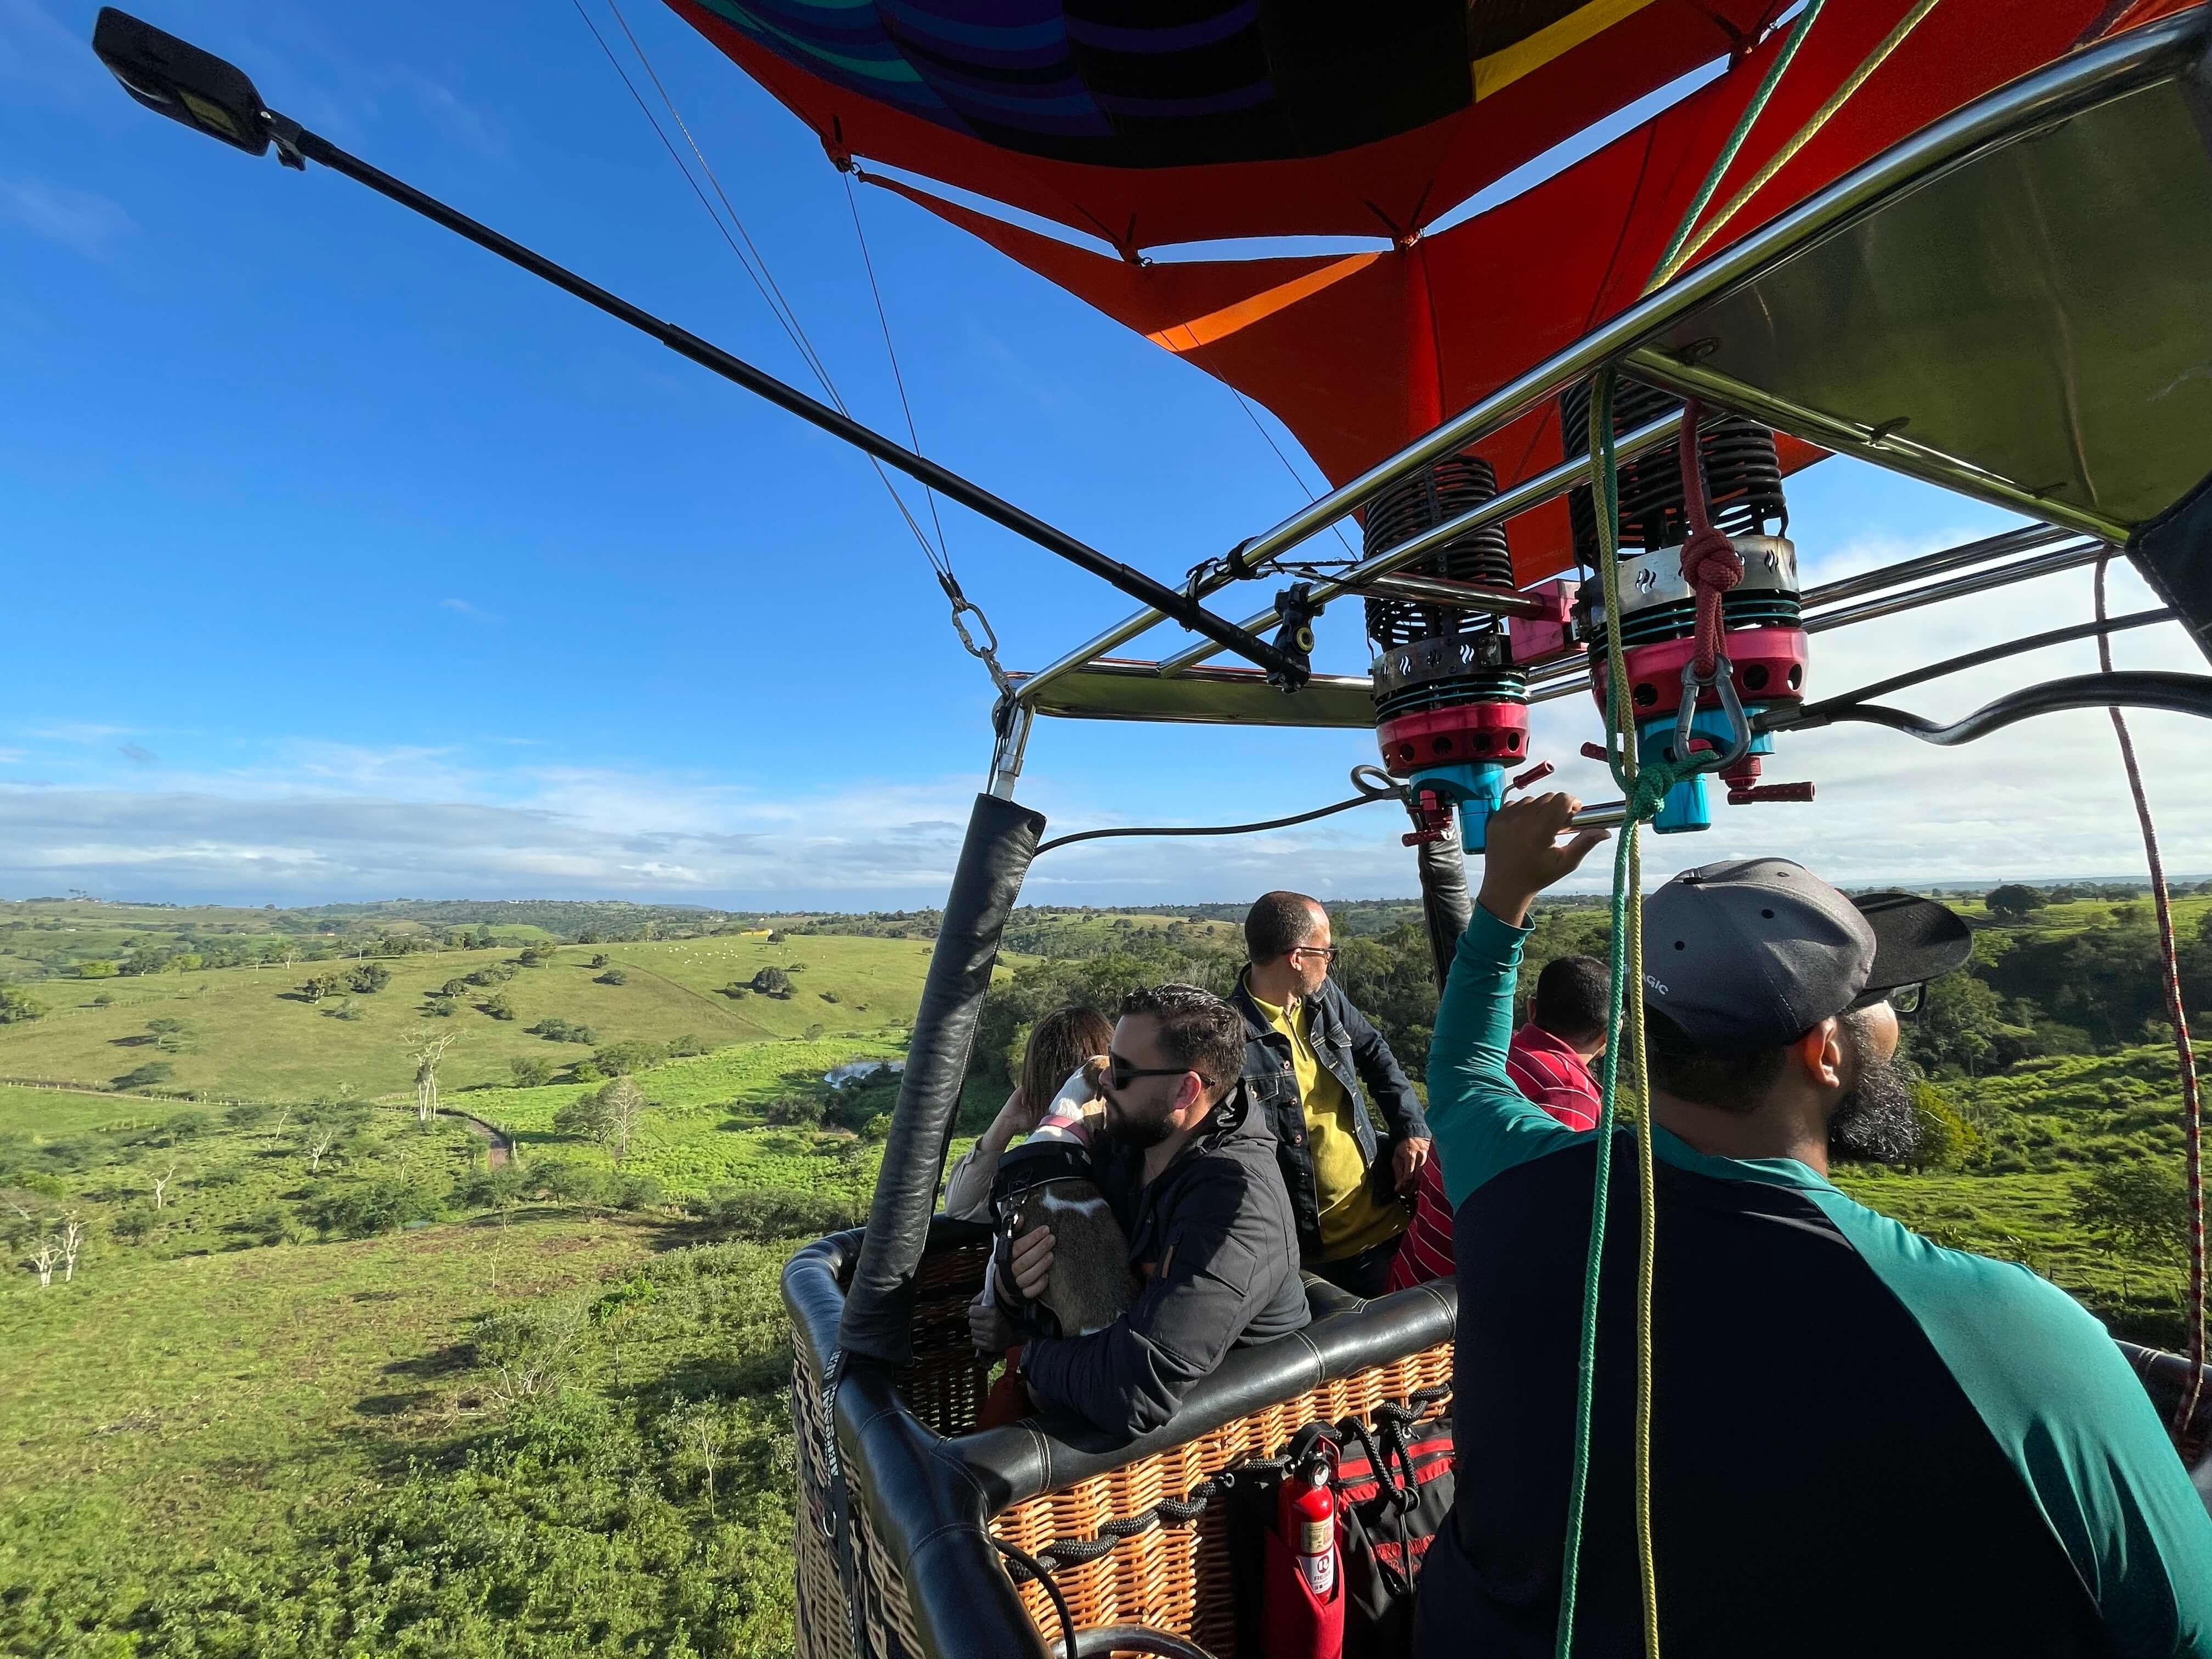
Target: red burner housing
1496 732
1768 666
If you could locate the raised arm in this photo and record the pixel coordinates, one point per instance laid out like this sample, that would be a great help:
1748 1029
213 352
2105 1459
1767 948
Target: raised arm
1483 1125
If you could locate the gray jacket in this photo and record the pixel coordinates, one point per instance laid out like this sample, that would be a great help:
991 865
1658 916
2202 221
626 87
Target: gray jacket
1213 1239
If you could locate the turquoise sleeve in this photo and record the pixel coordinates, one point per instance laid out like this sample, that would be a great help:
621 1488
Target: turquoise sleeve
2060 1400
1483 1125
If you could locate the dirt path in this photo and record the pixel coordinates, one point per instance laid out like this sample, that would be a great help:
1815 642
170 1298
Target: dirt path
498 1149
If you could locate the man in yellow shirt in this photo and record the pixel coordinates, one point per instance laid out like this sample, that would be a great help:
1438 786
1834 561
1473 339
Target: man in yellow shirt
1308 1052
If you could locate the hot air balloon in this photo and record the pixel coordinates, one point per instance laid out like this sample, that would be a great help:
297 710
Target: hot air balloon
1965 240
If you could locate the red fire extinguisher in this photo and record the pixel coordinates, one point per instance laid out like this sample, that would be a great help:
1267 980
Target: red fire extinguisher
1308 1521
1305 1602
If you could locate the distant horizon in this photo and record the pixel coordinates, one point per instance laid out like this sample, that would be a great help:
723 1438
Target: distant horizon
1579 888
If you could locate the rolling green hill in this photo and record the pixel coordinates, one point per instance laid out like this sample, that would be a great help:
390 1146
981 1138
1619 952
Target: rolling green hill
249 1033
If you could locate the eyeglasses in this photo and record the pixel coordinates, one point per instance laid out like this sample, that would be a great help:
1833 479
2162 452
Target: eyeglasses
1331 951
1120 1072
1906 999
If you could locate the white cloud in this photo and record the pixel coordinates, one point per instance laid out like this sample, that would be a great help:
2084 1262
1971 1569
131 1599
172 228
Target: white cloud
312 819
76 219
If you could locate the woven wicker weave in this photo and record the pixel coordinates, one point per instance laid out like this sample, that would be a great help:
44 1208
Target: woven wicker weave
1174 1578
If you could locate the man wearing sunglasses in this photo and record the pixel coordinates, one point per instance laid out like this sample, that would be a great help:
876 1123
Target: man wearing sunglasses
1308 1051
1189 1168
1861 1442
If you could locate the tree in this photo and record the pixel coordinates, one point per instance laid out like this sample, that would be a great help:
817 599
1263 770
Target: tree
2015 901
631 1054
530 1073
95 967
71 1240
599 959
132 1226
170 1035
454 988
161 1183
47 1252
773 982
498 1006
426 1049
320 986
610 1116
2137 1207
19 1007
774 936
145 1077
321 1137
614 976
370 976
705 1433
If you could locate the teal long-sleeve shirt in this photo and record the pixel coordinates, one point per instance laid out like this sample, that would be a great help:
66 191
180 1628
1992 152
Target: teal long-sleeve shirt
1863 1441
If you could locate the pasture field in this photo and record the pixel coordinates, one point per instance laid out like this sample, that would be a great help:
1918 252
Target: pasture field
249 1033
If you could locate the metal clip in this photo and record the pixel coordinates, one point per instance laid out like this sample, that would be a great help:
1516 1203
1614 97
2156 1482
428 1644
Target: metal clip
1722 681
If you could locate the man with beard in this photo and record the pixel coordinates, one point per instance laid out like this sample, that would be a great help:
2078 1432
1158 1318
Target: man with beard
1862 1442
1189 1168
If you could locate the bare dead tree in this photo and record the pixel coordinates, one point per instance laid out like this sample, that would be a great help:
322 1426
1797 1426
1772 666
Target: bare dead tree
161 1183
426 1048
43 1258
283 1117
624 1105
71 1241
708 1433
320 1139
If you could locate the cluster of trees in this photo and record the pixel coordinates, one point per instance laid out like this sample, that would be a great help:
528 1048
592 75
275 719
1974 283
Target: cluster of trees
366 978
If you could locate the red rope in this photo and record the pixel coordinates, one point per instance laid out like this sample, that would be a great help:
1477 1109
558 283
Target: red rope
2191 1102
1711 564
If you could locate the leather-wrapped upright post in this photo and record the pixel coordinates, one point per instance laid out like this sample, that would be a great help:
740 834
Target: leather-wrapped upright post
1002 839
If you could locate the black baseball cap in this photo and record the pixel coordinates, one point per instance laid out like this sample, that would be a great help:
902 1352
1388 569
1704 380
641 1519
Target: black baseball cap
1753 953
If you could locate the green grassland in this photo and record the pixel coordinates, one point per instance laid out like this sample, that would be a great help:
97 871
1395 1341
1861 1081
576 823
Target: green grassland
250 1034
433 1439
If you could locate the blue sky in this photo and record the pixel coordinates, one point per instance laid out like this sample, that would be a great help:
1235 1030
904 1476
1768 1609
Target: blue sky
348 562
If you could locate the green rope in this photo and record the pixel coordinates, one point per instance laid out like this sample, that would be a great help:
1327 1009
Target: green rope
1645 785
1752 112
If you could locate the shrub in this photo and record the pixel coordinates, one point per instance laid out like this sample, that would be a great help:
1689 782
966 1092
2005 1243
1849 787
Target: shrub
272 1223
599 959
614 976
586 1071
775 1213
183 1126
248 1115
552 1028
456 986
95 967
530 1073
684 1047
347 1008
632 1054
443 1007
773 982
384 1205
814 1033
537 956
831 996
796 1110
497 1007
19 1007
368 977
878 1127
133 1226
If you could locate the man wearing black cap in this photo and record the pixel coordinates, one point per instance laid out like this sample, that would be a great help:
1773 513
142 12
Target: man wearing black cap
1863 1443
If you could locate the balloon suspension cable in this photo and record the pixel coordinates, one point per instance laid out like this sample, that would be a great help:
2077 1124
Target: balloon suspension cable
755 265
1364 779
2192 1110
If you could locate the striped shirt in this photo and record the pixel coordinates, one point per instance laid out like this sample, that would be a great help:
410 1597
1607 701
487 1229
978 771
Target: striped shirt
1550 1073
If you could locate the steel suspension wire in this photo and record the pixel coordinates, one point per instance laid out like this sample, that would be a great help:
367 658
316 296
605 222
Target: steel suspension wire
1252 415
2192 1105
898 380
763 280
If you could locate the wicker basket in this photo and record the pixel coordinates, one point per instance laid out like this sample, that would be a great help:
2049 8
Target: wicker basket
1172 1577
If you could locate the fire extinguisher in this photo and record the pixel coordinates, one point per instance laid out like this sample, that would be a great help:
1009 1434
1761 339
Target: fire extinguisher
1307 1521
1303 1606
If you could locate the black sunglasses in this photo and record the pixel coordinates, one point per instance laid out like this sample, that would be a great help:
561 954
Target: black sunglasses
1120 1073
